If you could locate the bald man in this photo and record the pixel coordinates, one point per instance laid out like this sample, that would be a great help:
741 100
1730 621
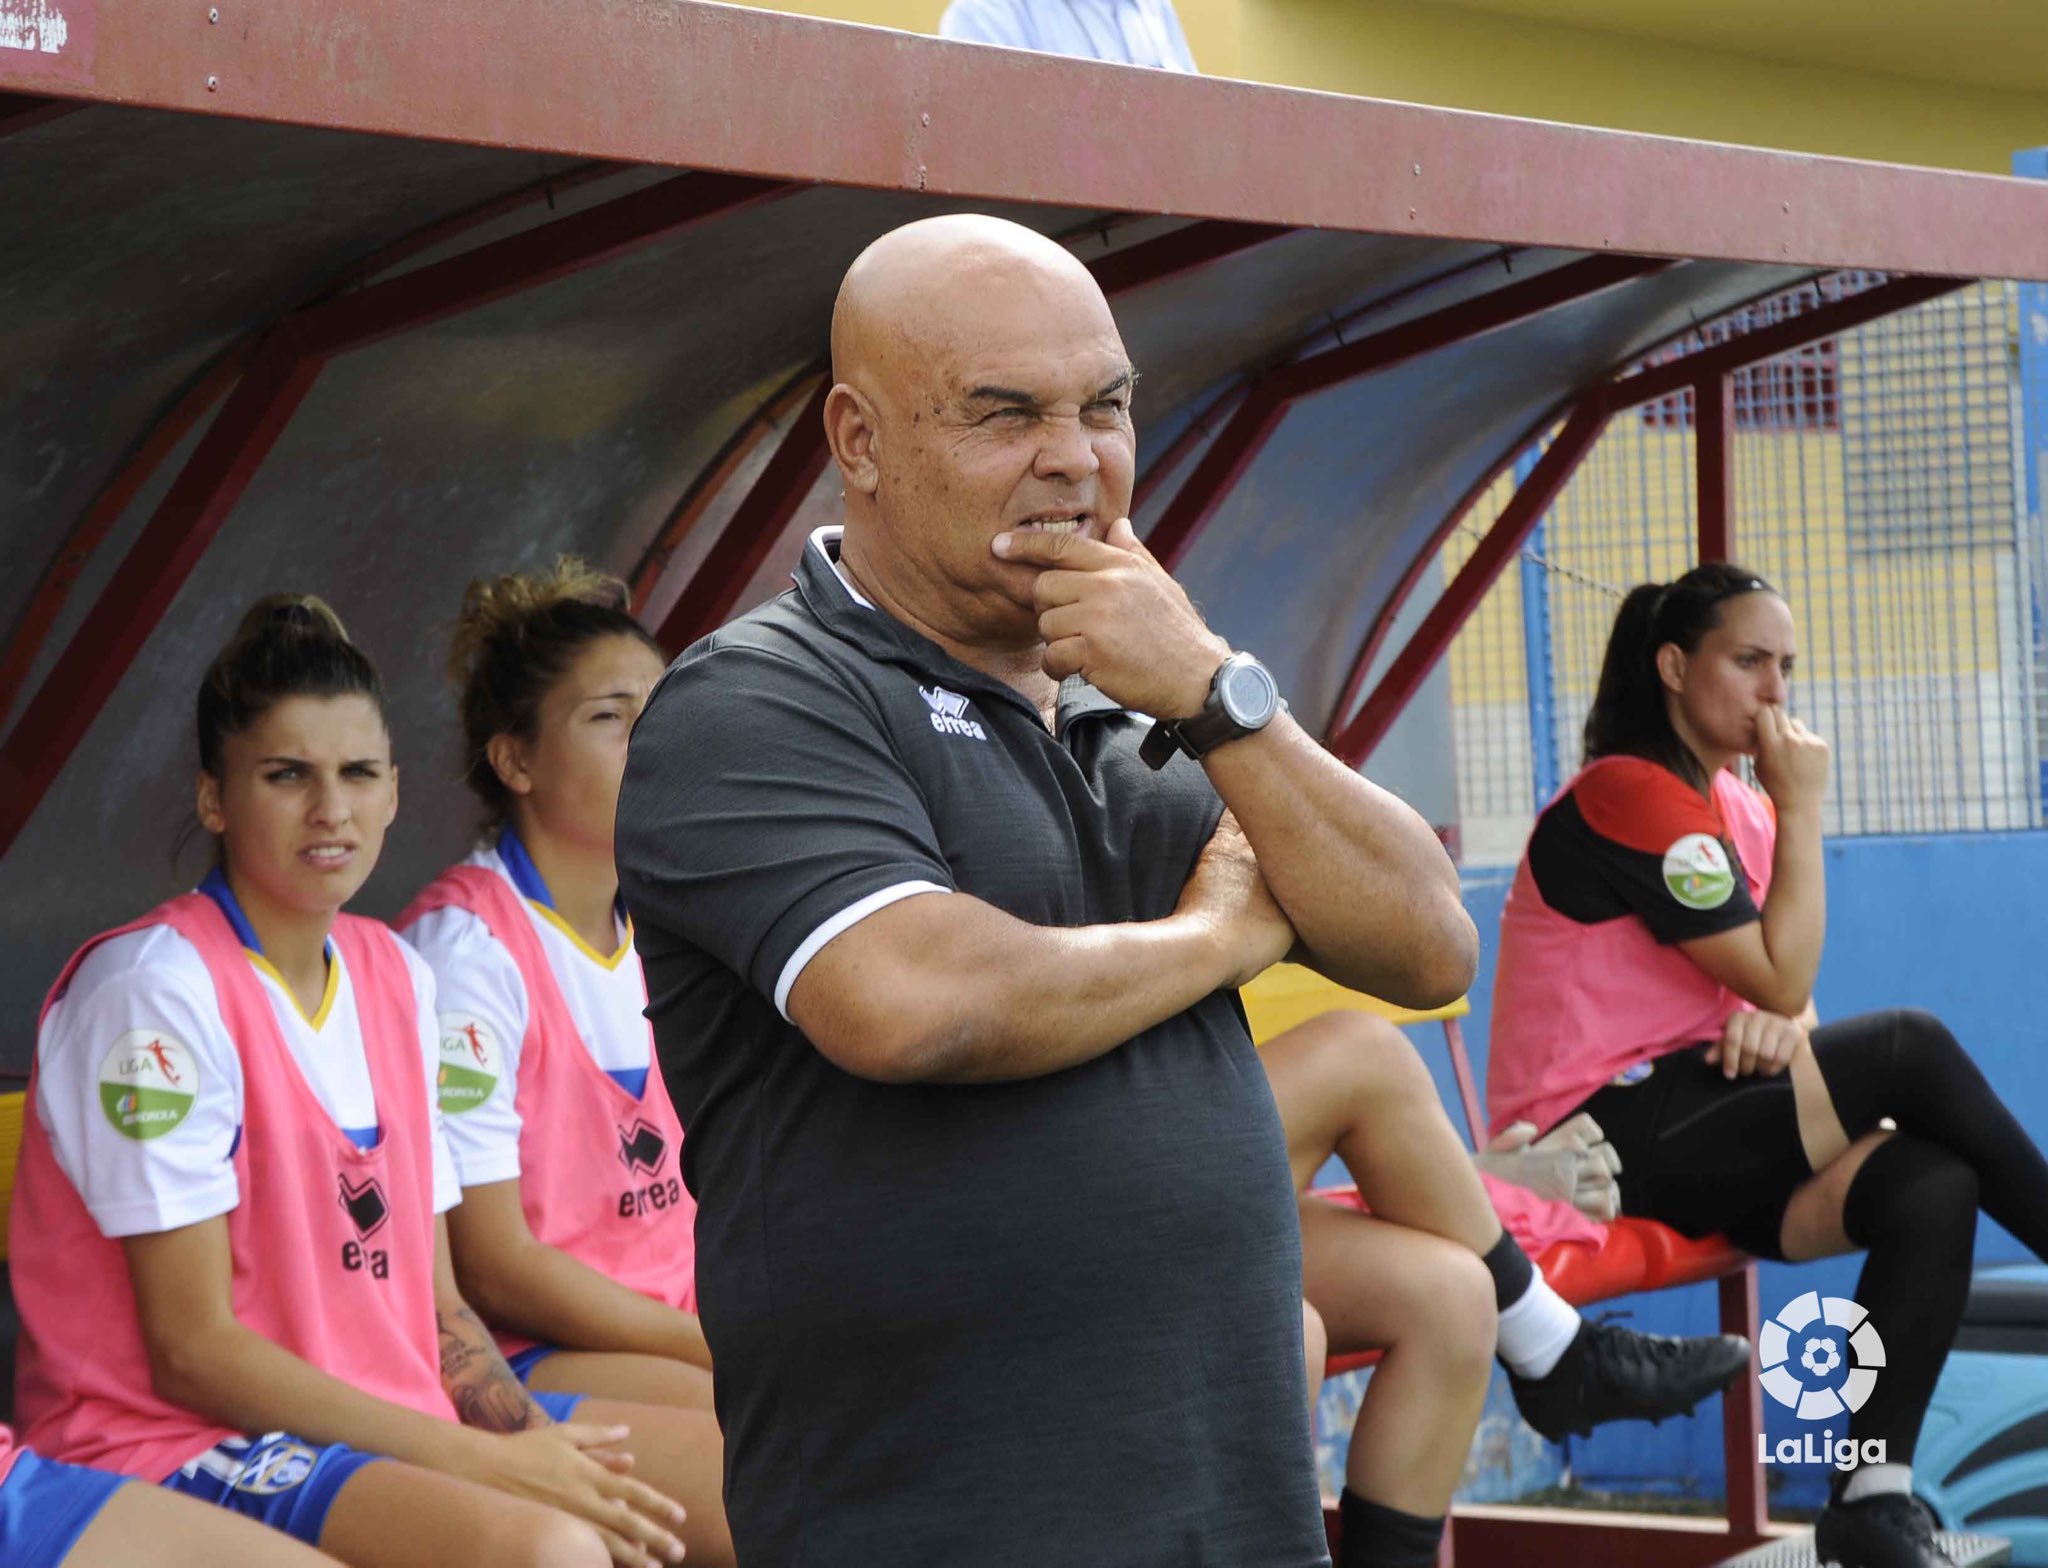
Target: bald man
997 1249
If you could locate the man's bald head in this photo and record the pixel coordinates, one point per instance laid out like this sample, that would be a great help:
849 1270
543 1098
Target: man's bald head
930 285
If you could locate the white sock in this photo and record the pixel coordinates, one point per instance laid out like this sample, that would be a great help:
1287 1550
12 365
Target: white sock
1535 1330
1875 1480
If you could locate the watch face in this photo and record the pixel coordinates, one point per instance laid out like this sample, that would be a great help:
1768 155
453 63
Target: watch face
1248 694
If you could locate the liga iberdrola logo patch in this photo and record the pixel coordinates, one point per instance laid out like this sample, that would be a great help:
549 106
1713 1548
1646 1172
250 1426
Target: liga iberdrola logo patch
148 1082
1697 872
469 1063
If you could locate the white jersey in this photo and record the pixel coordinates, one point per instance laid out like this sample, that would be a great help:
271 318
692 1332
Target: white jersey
149 990
484 1010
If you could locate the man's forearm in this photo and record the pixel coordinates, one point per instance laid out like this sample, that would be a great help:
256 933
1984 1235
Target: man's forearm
1367 886
949 989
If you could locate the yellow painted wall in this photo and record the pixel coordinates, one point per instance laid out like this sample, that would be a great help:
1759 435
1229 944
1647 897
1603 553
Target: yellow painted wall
1433 53
1424 51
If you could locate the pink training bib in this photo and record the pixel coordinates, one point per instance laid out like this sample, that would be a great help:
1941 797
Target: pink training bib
1575 1005
600 1172
333 1245
8 1453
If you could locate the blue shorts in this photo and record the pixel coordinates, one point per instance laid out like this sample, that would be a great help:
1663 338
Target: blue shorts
45 1507
522 1365
278 1479
285 1482
560 1407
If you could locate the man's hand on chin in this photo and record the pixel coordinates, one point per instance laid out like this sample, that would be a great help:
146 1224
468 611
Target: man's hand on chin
1110 613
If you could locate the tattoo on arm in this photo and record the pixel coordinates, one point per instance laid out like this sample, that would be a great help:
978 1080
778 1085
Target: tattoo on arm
483 1389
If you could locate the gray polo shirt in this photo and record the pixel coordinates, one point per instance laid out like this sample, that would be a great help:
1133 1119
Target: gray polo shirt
1048 1322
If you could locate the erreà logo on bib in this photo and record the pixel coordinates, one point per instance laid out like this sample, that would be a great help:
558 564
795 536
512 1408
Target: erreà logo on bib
470 1061
148 1082
1697 872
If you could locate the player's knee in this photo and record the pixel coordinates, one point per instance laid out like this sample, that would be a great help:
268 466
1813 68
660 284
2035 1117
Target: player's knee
1445 1310
1370 1058
1471 1326
1924 1040
1315 1343
1943 1195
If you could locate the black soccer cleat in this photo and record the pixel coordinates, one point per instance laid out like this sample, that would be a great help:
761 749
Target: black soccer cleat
1890 1530
1609 1373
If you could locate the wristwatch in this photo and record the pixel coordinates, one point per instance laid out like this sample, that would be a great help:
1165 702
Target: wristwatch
1243 699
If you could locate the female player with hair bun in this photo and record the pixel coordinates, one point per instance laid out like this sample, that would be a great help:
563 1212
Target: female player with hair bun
231 1269
576 1234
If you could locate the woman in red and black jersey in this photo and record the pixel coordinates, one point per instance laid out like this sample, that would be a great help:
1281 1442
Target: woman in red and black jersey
1657 960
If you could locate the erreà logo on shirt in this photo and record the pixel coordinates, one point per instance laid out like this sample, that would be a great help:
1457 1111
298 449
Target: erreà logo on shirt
1697 872
148 1082
643 1150
949 712
469 1063
364 1204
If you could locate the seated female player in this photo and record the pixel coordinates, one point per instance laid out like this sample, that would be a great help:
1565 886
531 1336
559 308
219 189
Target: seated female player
67 1516
576 1236
1433 1277
229 1261
1657 961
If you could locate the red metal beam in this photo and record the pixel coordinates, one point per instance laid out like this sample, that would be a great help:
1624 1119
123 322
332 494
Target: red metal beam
1354 741
36 623
1185 250
1215 476
1231 454
442 230
722 576
1475 317
683 84
529 259
685 514
33 629
149 577
1713 401
1198 428
1742 1414
1204 424
1795 332
256 413
1569 1538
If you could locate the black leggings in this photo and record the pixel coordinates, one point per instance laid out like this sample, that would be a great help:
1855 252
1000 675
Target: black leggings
1704 1155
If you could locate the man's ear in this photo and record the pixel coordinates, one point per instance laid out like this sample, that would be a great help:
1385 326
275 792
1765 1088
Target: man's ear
507 758
1671 662
851 432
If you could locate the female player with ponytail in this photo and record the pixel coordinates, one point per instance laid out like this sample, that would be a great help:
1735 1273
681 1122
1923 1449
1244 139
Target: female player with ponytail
1657 961
231 1269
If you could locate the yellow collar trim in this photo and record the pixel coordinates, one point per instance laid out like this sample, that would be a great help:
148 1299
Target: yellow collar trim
318 1019
582 946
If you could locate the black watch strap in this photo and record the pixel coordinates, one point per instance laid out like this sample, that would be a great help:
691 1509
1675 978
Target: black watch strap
1213 726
